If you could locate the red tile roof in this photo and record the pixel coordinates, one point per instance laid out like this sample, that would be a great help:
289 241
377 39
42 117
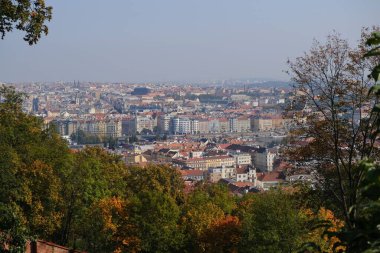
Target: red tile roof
243 184
269 176
192 172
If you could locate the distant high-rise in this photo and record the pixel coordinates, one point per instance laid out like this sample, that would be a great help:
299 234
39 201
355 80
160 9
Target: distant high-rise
35 104
140 91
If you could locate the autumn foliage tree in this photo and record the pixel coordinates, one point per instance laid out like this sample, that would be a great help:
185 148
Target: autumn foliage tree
331 83
93 175
31 161
205 209
223 235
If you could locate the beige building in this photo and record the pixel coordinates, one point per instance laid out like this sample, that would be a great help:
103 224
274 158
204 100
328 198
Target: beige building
243 124
267 123
215 174
224 125
144 122
242 158
101 128
135 159
240 124
203 125
245 174
203 163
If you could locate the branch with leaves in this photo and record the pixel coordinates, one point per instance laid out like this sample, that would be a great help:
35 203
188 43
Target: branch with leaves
29 16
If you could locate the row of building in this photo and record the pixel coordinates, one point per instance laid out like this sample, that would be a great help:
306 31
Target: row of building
167 124
263 159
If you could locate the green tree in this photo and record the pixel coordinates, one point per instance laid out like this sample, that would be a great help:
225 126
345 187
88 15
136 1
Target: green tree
31 163
155 215
95 175
133 139
364 236
272 222
110 142
82 137
146 131
217 194
374 53
160 178
145 218
29 16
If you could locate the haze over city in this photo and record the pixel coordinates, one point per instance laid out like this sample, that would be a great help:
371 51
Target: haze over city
139 41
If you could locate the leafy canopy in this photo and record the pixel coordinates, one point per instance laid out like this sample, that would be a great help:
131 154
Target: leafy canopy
29 16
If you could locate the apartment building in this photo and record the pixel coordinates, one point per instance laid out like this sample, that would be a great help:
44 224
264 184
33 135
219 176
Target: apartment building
224 125
144 122
239 124
267 123
182 125
241 158
101 128
163 123
215 174
264 159
203 125
203 163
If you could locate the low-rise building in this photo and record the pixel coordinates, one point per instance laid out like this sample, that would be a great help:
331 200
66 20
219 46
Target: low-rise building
268 180
241 158
195 175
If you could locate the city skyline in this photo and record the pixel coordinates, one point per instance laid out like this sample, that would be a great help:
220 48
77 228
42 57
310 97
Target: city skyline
130 41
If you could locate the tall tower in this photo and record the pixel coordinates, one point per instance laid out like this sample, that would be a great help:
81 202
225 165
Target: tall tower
77 101
35 103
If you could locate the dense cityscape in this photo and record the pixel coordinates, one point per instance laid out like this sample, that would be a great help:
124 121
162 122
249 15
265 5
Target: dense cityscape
208 132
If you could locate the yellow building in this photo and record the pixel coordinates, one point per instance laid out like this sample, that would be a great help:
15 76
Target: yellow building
203 163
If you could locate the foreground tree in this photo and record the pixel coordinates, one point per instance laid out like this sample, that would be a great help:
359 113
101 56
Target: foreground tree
160 178
155 217
31 163
273 222
223 235
94 175
29 16
332 85
207 213
144 219
364 236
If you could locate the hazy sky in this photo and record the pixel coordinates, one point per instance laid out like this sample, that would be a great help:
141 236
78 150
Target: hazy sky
161 40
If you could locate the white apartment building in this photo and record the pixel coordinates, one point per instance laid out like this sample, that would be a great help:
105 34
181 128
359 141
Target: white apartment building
242 158
185 126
